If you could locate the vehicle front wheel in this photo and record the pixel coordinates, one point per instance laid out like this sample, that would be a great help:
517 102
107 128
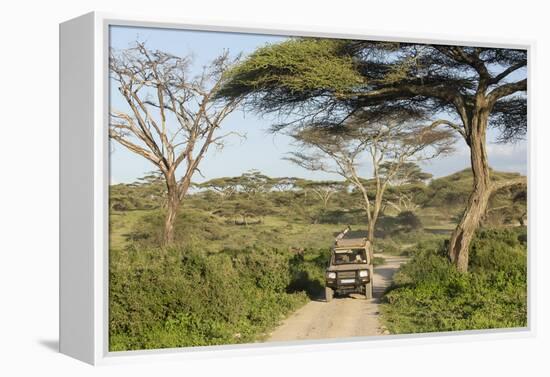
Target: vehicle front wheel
368 290
329 294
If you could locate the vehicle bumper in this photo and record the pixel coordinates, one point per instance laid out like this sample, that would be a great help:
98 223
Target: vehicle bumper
345 285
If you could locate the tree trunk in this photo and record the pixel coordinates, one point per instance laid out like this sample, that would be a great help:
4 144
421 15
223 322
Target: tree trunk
172 207
370 234
372 224
370 237
377 205
478 200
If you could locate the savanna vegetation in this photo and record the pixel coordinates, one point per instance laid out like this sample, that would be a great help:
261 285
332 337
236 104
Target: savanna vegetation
227 280
223 260
429 294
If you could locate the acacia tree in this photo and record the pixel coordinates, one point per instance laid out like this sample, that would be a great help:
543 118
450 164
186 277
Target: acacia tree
324 190
472 88
466 89
253 183
152 185
342 152
407 180
171 118
283 184
408 173
224 187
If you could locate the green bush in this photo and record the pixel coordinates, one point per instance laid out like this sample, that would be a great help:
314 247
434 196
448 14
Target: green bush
387 246
409 221
393 226
429 294
308 272
177 297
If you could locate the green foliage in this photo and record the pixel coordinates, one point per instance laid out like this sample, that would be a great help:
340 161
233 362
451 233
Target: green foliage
378 261
194 227
308 271
146 193
404 222
198 228
450 191
342 216
407 173
453 190
429 294
387 246
409 221
295 66
176 297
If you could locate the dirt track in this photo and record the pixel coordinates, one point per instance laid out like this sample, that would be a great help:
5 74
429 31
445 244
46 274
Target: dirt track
344 316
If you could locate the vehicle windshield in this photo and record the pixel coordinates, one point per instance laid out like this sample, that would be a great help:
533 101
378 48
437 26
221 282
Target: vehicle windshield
347 256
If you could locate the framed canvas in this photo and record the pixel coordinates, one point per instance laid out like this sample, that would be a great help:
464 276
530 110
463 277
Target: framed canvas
241 189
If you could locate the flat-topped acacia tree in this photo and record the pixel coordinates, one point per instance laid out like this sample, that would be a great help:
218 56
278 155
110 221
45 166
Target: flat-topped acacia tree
343 151
466 89
408 180
171 117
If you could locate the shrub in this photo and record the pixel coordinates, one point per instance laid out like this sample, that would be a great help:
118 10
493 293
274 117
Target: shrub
404 222
429 294
176 297
308 272
409 221
387 246
194 227
378 261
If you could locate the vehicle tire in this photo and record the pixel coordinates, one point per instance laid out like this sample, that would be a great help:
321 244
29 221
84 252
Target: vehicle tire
329 294
368 290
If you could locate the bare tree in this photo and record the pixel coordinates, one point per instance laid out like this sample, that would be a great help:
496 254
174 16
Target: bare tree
342 151
172 118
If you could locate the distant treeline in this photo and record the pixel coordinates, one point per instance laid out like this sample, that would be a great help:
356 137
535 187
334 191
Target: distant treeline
246 199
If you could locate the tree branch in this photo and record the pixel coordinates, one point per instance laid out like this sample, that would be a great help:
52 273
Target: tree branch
507 71
506 90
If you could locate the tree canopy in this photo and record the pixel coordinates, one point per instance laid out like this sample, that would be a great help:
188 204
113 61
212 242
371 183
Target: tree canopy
292 73
324 81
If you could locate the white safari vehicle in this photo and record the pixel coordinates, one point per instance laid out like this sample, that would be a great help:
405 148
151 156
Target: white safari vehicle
350 269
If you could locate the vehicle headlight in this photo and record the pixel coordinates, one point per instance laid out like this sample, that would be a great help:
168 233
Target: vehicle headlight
331 275
363 273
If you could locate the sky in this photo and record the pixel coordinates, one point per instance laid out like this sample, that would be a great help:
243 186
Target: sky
260 150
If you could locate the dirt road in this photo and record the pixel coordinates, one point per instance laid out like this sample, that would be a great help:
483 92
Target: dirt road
344 316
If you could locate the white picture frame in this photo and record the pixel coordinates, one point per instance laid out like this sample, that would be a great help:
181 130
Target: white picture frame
84 169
